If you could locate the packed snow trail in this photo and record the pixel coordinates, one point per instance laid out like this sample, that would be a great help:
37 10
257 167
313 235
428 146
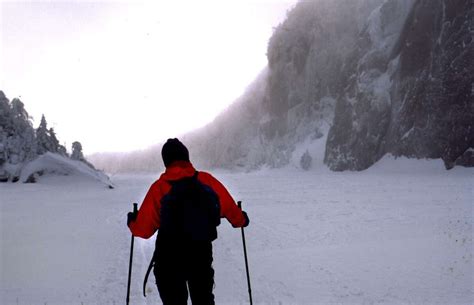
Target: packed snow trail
398 233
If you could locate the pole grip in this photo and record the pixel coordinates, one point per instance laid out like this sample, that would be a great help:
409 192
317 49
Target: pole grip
239 204
135 207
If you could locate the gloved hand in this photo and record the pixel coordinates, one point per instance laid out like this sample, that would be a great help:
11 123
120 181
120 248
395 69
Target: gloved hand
247 220
131 216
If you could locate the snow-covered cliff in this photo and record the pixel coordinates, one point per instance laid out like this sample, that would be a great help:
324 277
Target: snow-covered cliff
410 87
393 76
347 82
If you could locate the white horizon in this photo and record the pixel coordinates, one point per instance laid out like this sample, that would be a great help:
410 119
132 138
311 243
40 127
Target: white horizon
122 76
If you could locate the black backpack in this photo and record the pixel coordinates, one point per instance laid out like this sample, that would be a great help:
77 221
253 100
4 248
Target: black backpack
189 212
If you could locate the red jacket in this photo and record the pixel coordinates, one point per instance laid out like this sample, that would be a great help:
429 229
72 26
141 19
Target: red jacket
148 219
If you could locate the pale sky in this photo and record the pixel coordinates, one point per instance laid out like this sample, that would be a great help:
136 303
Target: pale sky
123 75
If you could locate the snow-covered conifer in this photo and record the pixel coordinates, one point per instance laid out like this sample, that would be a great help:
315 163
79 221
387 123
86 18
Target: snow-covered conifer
78 155
21 144
77 151
53 141
62 150
42 137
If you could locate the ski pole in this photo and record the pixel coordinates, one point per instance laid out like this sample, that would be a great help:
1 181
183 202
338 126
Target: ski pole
239 203
135 210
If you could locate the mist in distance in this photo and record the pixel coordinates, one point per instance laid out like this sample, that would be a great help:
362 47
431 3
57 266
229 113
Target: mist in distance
122 76
341 83
380 90
347 83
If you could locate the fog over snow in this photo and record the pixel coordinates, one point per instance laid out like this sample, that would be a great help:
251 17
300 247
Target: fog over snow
123 75
352 150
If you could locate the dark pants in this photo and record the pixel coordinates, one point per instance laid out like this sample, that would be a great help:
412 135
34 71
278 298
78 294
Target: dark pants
183 265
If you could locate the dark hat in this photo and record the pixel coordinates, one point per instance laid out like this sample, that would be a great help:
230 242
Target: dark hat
174 150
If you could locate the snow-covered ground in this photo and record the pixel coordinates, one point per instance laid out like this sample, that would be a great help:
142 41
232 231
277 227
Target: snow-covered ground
50 163
398 233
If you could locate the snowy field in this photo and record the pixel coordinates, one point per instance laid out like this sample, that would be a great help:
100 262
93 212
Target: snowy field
398 233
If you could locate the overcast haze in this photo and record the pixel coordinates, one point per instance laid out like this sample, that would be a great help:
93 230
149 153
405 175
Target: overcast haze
121 76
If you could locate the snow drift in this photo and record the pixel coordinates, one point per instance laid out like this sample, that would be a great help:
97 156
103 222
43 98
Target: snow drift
54 164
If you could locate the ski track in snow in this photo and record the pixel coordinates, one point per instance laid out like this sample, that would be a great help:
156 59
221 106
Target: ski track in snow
398 233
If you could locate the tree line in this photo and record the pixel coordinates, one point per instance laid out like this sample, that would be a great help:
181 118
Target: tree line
20 142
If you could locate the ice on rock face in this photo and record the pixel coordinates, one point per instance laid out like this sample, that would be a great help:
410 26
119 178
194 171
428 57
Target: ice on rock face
385 23
388 77
409 73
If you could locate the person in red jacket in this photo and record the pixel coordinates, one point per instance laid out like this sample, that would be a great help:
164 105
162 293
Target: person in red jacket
181 263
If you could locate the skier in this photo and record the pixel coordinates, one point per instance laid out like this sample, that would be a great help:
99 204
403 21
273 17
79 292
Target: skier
183 253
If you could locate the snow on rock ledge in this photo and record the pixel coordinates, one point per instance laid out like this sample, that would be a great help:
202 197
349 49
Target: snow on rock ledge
55 164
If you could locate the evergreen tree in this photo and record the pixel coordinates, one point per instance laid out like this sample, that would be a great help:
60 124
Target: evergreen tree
77 151
78 155
42 137
57 148
20 115
62 149
54 143
6 119
20 144
6 126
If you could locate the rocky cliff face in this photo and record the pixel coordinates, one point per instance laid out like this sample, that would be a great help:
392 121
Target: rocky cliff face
362 113
293 100
393 76
370 76
433 110
411 89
